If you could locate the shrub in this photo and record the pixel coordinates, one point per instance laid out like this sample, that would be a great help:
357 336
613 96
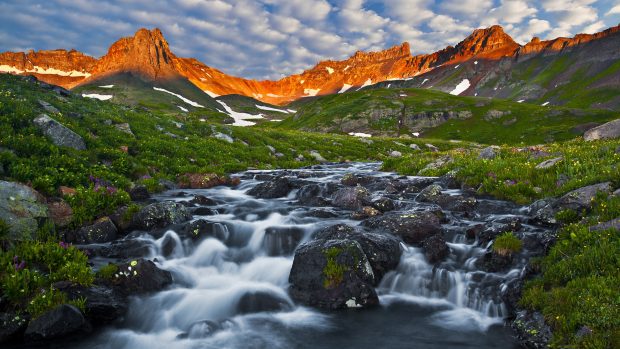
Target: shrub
95 201
32 265
107 271
507 244
49 299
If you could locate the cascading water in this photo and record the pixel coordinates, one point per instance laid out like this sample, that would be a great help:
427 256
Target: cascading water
231 292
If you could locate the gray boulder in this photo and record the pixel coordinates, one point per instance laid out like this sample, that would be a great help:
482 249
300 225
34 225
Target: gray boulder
413 227
581 198
332 274
48 107
487 153
605 131
59 134
352 198
58 322
161 215
549 163
103 230
21 208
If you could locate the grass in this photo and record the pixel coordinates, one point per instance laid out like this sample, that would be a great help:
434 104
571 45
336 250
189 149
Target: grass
507 244
513 175
333 272
578 289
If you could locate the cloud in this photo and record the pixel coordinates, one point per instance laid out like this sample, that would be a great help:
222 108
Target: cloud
268 38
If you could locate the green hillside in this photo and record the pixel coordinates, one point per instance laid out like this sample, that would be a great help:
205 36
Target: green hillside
435 114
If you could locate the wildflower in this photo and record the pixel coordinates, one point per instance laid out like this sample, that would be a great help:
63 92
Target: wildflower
64 245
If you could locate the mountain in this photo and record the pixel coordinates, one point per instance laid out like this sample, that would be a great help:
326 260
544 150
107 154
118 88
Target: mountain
486 63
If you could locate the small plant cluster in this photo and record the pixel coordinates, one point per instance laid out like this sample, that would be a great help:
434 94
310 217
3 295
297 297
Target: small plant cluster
100 198
333 272
30 268
507 244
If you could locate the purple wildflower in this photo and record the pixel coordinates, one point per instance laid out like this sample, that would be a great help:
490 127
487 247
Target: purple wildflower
64 245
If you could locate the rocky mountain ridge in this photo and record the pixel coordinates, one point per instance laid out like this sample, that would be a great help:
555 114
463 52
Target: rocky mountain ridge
147 55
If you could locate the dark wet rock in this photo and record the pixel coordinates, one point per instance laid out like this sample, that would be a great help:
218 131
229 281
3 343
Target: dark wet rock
122 220
612 224
581 199
202 201
473 231
382 250
413 227
103 304
435 249
12 326
322 213
352 198
493 262
311 195
59 322
262 301
332 274
202 229
160 215
167 185
449 181
511 295
168 245
282 241
531 329
490 233
280 187
608 130
430 193
352 180
542 212
22 209
364 213
139 193
59 134
204 211
205 329
103 230
121 249
141 276
384 204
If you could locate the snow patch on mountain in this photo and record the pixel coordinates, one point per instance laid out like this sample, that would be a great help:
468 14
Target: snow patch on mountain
183 109
211 94
240 118
330 70
344 88
461 87
311 91
271 109
97 96
360 134
190 102
106 86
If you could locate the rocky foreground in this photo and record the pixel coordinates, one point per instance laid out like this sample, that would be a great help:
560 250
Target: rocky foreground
339 266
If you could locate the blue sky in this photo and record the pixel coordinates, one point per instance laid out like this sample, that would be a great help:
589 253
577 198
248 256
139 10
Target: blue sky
270 38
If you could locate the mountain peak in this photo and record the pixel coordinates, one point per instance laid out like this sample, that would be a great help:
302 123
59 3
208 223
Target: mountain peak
492 41
146 54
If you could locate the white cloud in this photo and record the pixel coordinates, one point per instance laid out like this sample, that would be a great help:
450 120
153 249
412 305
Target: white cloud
614 11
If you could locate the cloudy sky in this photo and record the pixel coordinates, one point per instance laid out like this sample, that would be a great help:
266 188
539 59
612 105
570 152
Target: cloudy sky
271 38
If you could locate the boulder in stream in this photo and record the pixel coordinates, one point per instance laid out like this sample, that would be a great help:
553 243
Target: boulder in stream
332 274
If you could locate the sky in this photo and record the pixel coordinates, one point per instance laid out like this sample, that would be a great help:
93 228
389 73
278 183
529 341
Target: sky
268 39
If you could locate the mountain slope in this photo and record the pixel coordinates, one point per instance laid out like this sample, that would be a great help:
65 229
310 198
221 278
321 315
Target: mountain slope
491 61
403 111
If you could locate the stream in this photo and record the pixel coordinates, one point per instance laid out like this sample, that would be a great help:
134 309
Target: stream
233 281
